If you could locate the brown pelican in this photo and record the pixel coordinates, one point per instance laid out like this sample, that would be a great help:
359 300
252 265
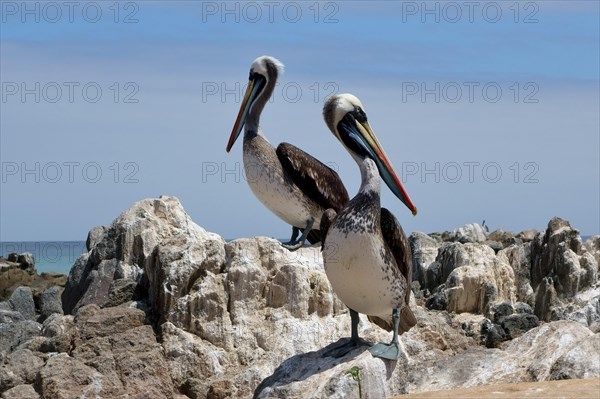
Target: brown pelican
291 183
371 267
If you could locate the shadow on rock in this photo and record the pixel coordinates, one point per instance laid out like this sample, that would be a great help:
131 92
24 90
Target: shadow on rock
304 366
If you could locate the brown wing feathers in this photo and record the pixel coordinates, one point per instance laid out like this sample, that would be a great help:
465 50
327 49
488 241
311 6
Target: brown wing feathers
314 178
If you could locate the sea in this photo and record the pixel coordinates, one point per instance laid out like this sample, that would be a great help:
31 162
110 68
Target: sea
59 256
50 256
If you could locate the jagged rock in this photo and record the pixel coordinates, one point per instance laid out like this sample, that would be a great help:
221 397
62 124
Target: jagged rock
519 257
21 392
450 257
473 325
11 277
66 377
75 286
49 303
17 333
434 276
521 307
20 367
493 333
483 279
121 291
570 365
527 235
508 322
21 301
556 254
177 264
495 245
95 236
14 275
155 238
129 272
191 359
93 322
103 352
471 232
545 299
424 250
515 325
95 287
505 238
437 301
10 316
500 310
535 356
26 260
588 275
592 245
60 333
584 309
568 272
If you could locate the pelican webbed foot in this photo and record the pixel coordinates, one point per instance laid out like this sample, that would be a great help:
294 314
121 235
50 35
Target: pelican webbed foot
345 348
389 351
386 351
350 345
294 244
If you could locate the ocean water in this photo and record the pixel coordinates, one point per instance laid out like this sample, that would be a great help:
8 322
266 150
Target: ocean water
50 256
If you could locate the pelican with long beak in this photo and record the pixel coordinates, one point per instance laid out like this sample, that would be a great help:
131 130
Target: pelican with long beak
366 254
292 184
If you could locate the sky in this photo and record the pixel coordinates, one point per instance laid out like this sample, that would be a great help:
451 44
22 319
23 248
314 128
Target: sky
487 110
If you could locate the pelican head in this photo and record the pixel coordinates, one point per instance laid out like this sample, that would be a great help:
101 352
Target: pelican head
345 116
263 74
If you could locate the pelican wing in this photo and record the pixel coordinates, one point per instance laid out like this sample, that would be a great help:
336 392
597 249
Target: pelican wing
398 244
315 179
326 221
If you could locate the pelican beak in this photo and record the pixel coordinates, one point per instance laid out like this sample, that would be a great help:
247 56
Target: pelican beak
362 134
247 101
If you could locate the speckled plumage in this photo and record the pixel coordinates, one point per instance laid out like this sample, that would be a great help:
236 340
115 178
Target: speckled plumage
366 254
364 272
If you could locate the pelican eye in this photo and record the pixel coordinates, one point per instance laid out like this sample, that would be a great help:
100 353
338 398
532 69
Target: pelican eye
359 115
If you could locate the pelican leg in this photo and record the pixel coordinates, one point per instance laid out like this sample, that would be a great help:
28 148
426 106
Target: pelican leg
295 232
352 344
389 351
294 245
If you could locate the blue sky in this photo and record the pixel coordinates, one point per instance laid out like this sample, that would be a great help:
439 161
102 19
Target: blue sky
484 115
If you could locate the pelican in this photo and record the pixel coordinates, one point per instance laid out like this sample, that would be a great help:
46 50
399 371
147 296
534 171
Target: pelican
371 267
289 182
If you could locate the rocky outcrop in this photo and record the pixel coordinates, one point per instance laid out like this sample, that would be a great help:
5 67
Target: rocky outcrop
18 270
159 307
23 306
425 251
471 232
